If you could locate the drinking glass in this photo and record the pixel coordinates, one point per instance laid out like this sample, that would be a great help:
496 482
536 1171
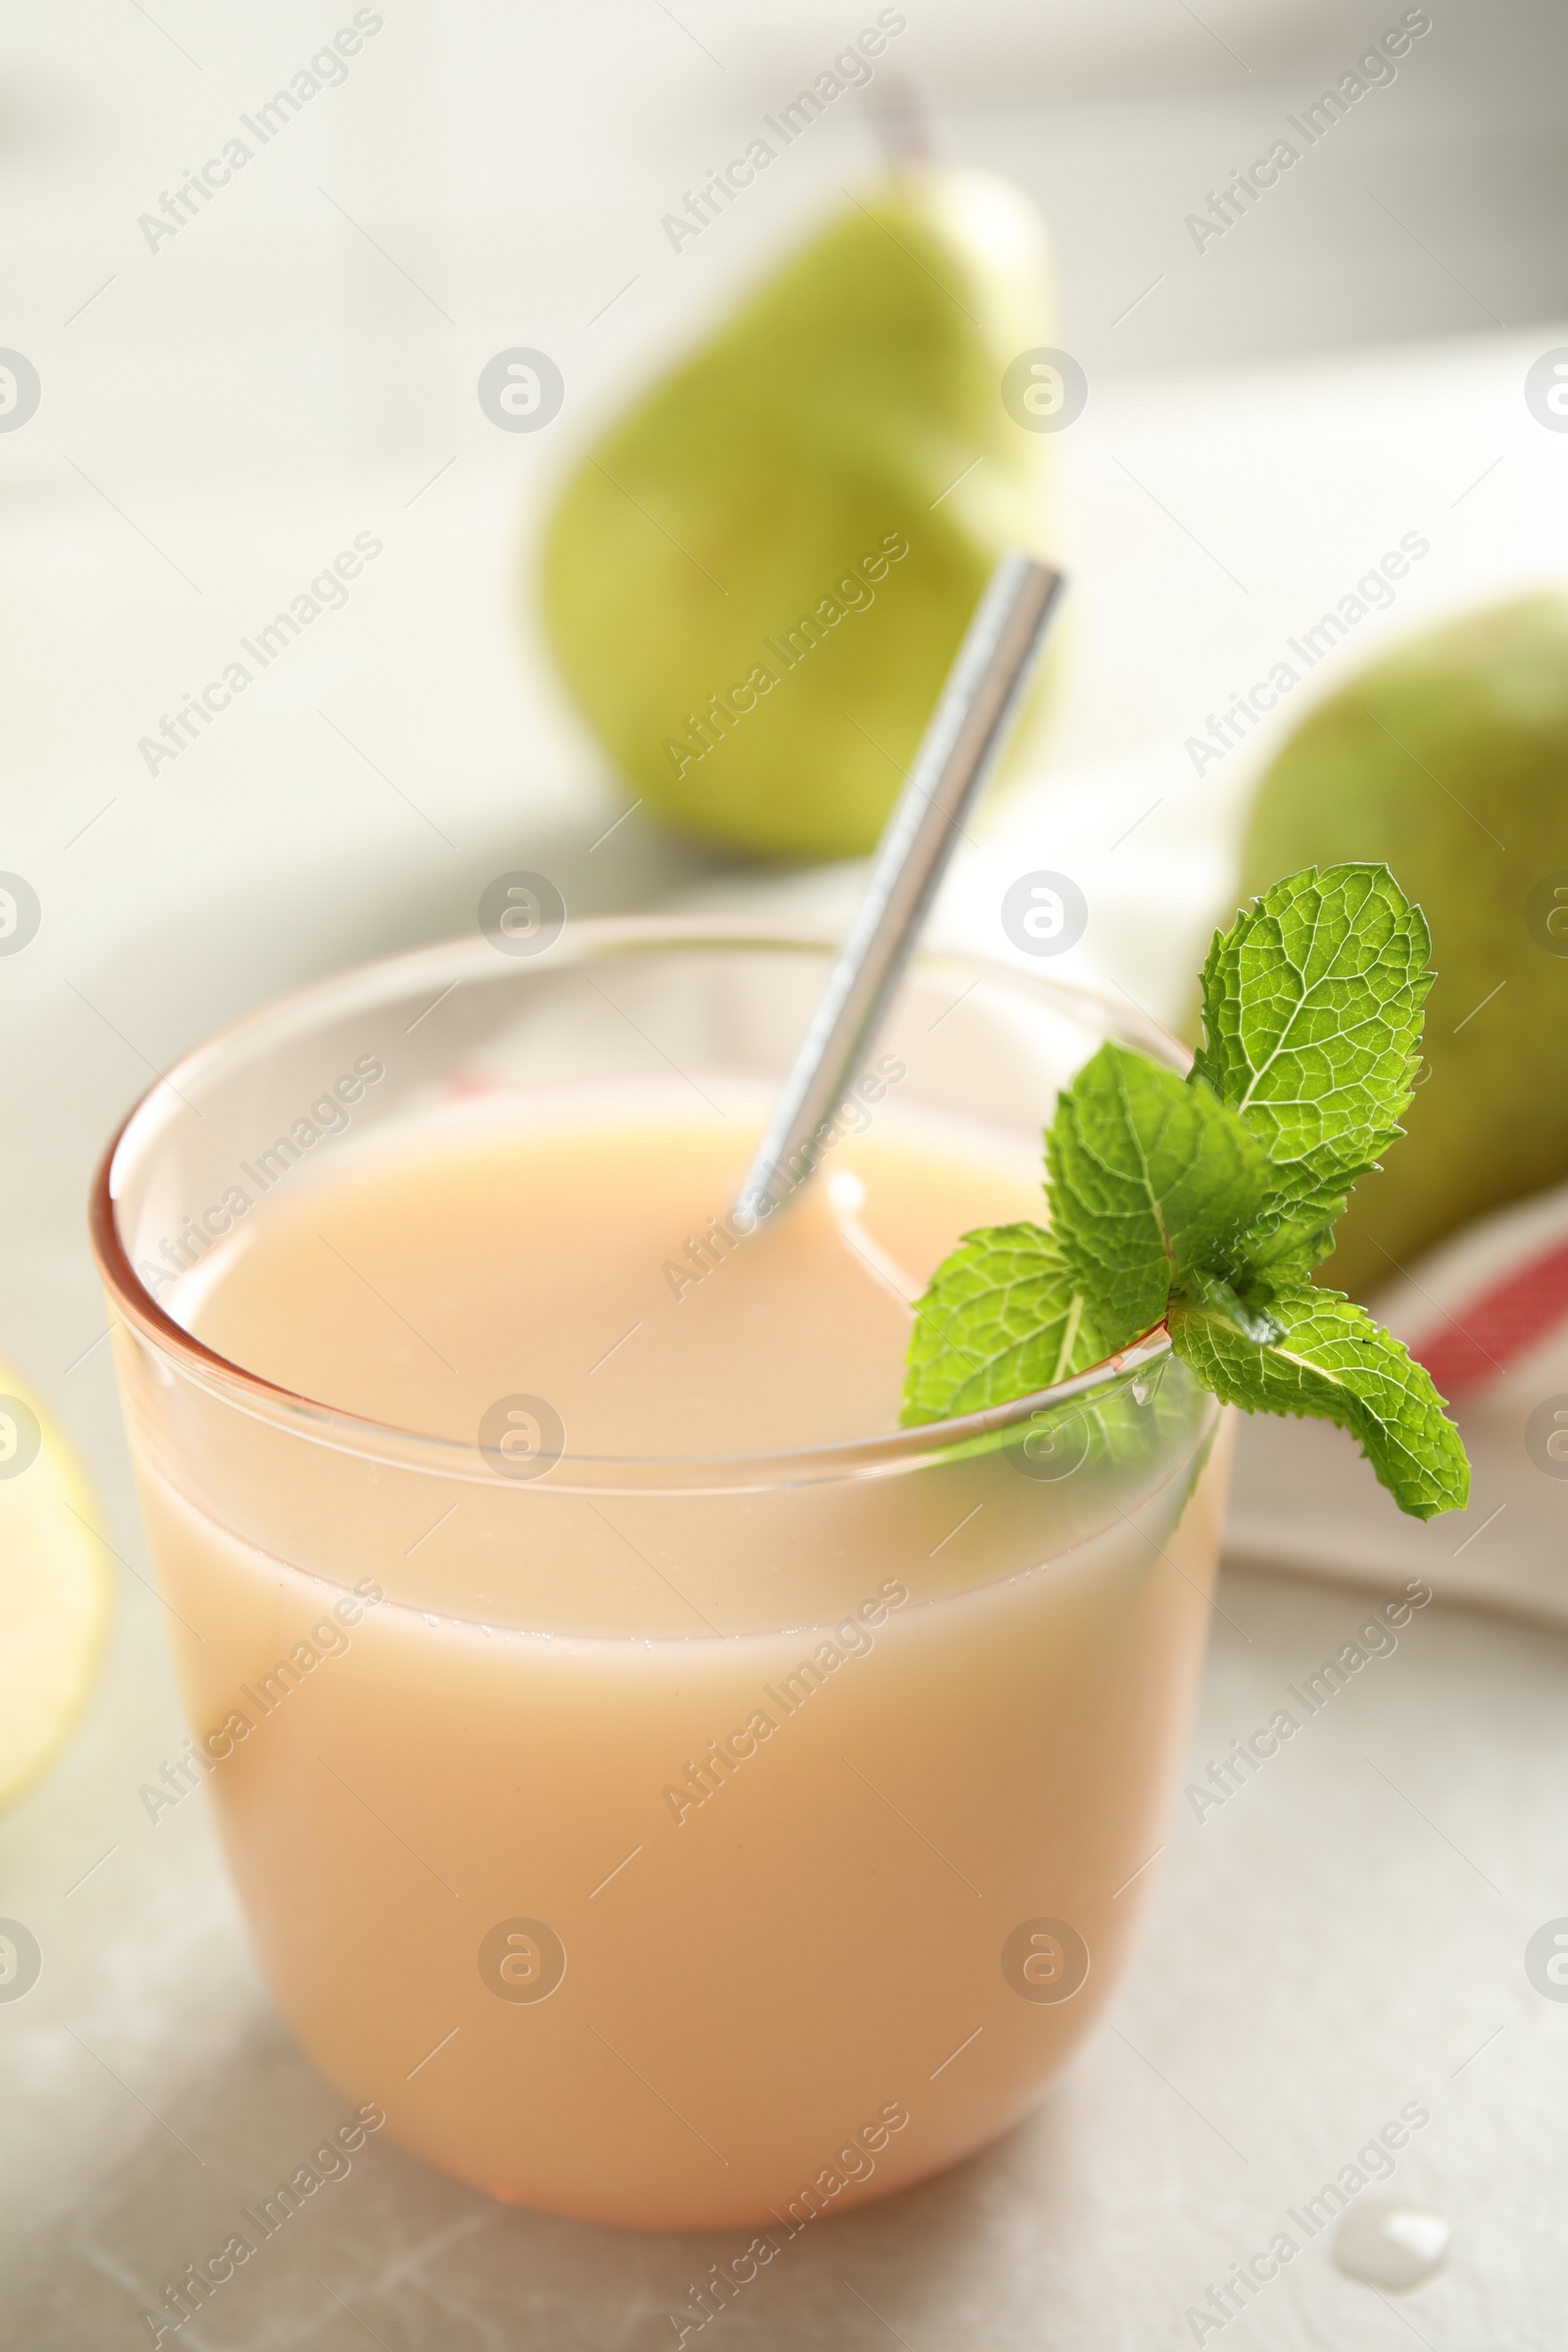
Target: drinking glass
661 1841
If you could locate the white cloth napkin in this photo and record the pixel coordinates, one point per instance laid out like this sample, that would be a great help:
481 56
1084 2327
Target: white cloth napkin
1487 1315
1487 1311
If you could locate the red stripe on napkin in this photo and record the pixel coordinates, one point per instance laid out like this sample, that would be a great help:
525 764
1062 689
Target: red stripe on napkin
1493 1329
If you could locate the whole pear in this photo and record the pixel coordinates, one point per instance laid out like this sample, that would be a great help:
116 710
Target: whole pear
754 583
1449 762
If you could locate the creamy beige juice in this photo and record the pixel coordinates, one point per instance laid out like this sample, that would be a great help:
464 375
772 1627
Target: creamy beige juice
658 1856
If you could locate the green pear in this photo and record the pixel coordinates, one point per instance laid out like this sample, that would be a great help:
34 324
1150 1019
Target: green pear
754 583
1449 762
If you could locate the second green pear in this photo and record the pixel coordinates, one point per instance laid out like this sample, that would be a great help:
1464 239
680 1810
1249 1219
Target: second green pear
756 582
1447 762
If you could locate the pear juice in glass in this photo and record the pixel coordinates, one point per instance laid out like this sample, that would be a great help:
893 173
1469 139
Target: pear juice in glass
675 1794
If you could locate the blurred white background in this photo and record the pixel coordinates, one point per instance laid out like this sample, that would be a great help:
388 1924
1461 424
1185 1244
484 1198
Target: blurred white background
220 414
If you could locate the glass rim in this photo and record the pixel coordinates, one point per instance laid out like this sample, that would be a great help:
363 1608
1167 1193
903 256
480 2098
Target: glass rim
334 1426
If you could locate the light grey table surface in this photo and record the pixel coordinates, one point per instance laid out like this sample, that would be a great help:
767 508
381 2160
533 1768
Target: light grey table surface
1342 1938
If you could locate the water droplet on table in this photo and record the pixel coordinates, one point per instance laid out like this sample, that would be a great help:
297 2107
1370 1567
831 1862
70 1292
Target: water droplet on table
1390 2245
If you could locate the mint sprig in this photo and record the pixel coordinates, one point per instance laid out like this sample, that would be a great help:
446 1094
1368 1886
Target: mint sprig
1204 1203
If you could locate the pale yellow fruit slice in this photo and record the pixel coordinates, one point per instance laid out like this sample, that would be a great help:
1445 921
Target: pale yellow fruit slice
55 1588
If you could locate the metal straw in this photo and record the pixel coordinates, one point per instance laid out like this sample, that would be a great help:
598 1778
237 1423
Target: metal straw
955 755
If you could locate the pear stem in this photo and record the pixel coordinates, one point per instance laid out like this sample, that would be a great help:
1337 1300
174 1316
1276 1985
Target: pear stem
903 120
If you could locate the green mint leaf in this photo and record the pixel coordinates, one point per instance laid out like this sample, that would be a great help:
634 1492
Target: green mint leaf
1333 1362
1003 1317
1311 1024
1151 1182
